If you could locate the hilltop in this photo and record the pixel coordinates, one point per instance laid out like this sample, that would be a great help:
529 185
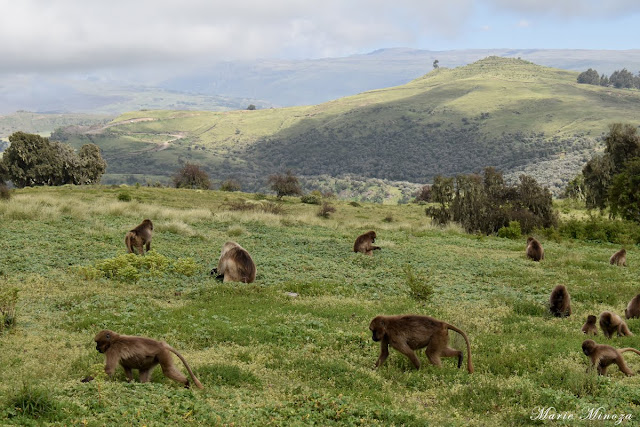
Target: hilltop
508 113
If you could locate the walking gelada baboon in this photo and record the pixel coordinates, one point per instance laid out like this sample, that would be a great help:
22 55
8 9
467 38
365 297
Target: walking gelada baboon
589 326
139 237
633 308
603 355
133 352
560 302
619 258
235 264
611 323
364 243
534 249
407 333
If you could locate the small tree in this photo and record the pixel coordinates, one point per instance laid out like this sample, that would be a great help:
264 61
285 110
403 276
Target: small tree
590 77
624 192
92 165
423 194
191 176
441 193
285 185
435 64
251 107
230 185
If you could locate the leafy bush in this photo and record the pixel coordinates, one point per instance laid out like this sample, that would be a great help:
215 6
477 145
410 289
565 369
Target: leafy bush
8 301
191 176
32 402
420 287
131 268
285 185
311 199
230 185
513 231
601 229
326 210
124 197
5 193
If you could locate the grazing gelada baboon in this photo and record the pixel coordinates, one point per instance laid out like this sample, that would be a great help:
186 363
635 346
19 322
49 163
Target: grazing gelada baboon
589 326
560 302
235 264
407 333
633 308
141 353
364 243
139 237
603 355
619 258
534 249
611 323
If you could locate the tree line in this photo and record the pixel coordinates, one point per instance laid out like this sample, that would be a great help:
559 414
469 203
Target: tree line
619 79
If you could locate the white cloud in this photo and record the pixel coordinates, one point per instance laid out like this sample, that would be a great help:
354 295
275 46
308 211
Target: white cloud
569 8
524 23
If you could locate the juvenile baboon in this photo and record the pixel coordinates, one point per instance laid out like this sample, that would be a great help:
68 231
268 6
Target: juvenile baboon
140 353
602 356
611 322
560 302
139 237
534 249
589 326
235 264
407 333
619 258
633 308
364 243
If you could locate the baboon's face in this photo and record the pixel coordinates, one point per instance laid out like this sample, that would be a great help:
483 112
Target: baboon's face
103 340
587 347
377 329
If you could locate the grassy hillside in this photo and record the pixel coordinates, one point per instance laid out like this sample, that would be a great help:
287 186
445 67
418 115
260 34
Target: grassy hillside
267 356
44 124
507 113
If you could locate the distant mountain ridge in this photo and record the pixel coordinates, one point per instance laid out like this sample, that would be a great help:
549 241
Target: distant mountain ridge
508 113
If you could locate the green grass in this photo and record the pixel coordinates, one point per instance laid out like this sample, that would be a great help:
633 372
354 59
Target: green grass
267 357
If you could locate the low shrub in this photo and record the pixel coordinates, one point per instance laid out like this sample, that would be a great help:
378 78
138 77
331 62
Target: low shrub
513 231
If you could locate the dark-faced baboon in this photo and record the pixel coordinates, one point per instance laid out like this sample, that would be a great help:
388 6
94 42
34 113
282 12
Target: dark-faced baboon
407 333
633 308
602 356
560 302
235 264
619 258
364 243
611 323
534 249
140 353
139 237
589 326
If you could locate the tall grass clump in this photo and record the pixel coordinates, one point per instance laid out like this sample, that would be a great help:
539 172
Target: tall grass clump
5 193
420 287
8 301
32 402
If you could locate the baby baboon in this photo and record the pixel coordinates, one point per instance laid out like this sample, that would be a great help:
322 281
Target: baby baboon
407 333
140 353
560 302
235 264
534 249
611 322
139 237
633 308
602 355
619 258
589 326
364 243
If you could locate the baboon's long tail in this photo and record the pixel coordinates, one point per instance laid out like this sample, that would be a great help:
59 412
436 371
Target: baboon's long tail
461 332
622 350
186 365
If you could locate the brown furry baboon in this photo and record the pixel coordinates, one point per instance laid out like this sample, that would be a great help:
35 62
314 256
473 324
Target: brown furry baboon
407 333
560 302
589 326
611 322
139 237
140 353
364 243
534 249
235 264
619 258
602 356
633 308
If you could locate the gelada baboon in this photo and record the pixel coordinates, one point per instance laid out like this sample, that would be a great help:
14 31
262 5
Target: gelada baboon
364 243
560 302
633 308
407 333
140 353
235 264
611 322
139 237
534 249
589 326
602 355
619 258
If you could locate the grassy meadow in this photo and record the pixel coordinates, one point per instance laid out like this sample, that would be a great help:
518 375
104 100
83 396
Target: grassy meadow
293 348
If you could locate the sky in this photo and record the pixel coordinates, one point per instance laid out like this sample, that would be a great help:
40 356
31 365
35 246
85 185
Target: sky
83 35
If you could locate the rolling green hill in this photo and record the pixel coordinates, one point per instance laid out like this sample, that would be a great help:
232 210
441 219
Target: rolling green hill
508 113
